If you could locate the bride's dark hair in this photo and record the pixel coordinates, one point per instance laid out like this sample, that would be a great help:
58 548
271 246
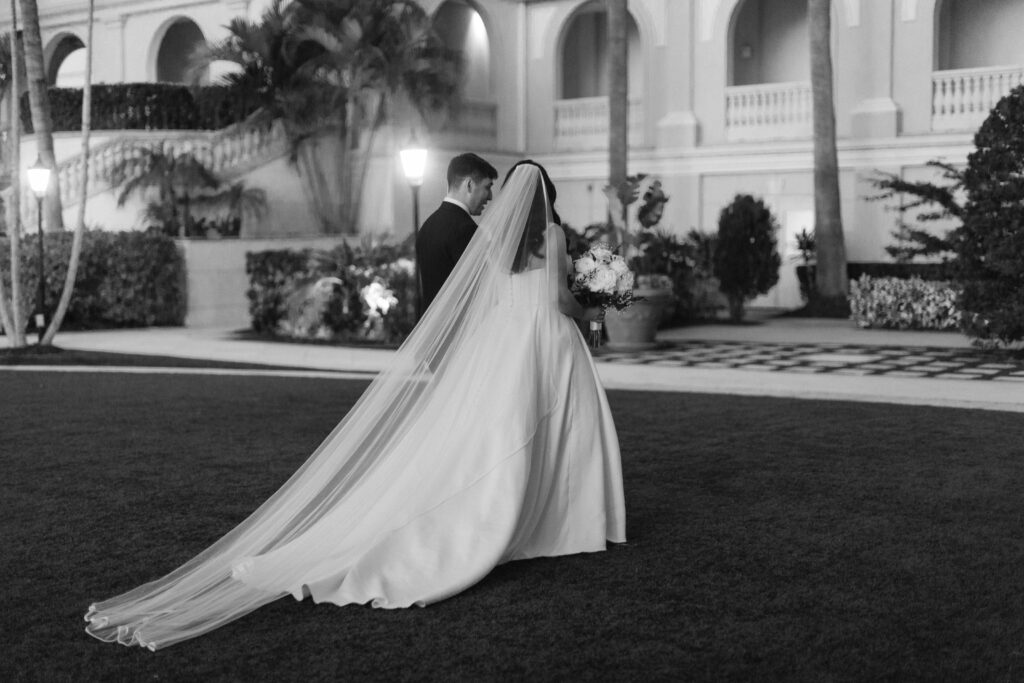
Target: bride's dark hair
533 236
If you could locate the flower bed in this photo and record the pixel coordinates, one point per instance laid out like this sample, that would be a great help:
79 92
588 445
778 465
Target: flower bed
912 303
362 293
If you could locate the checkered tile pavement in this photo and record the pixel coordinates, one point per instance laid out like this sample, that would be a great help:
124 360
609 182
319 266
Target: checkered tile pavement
839 359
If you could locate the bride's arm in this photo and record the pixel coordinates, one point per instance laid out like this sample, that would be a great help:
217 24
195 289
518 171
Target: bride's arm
567 303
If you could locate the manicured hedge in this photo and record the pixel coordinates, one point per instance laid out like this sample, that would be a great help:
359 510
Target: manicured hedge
125 279
146 106
910 303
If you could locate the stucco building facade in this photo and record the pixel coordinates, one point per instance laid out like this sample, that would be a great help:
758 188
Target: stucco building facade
719 98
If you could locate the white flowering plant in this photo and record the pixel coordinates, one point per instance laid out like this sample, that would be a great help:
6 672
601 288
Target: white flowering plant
361 293
602 279
378 299
913 304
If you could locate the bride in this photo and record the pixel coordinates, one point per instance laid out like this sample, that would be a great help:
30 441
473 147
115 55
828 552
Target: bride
488 440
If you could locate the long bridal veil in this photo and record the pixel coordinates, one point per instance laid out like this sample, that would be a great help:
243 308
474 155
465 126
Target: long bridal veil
361 451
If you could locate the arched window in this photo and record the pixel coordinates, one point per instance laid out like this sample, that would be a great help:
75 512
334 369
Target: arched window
979 33
462 29
769 43
66 62
584 68
172 60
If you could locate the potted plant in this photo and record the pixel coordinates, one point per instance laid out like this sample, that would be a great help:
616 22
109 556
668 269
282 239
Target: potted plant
635 328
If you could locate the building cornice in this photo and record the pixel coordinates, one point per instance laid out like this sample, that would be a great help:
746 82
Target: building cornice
765 157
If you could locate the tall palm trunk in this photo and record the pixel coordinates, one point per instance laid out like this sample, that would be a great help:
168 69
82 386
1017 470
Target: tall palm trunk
322 160
39 103
830 275
15 328
358 179
6 317
76 244
618 104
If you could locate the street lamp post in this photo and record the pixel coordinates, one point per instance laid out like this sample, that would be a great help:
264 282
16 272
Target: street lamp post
414 163
39 181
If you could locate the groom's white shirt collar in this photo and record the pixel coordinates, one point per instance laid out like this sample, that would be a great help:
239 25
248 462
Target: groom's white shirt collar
457 203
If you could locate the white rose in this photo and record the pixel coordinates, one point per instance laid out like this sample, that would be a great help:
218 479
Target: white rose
378 297
625 283
601 252
585 264
618 265
406 266
604 281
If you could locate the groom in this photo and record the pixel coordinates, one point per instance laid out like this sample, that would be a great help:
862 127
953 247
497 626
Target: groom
447 231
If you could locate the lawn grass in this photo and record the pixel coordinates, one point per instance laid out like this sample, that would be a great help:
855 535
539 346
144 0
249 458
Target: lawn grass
769 539
54 355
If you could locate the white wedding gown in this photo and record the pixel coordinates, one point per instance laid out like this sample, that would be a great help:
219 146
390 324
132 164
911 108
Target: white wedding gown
489 439
515 457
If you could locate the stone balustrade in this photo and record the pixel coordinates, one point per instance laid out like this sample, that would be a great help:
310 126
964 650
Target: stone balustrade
228 152
582 123
768 111
962 98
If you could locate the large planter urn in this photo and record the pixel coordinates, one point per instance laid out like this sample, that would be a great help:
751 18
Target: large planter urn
634 328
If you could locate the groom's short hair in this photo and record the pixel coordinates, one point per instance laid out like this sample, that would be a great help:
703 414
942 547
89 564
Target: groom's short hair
469 165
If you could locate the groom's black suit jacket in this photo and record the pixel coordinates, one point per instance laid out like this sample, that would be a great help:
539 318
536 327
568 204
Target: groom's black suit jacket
439 244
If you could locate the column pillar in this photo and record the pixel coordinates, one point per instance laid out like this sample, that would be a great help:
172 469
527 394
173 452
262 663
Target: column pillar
679 126
875 113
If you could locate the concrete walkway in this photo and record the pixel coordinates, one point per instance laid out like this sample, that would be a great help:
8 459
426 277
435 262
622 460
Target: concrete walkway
770 356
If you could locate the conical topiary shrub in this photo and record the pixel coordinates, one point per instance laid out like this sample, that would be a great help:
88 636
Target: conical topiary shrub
990 244
747 259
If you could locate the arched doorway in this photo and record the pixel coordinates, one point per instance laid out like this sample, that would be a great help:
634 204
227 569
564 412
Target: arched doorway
769 92
461 26
584 54
979 58
581 110
176 46
769 43
462 29
973 34
65 61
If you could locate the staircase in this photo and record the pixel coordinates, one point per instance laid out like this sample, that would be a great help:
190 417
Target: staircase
228 153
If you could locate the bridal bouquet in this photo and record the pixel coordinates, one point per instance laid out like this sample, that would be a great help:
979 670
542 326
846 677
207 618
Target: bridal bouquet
602 279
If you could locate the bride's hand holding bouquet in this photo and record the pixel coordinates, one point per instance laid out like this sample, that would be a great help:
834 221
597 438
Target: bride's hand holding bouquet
602 280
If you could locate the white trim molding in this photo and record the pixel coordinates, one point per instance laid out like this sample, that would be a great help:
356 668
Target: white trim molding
712 13
852 8
908 10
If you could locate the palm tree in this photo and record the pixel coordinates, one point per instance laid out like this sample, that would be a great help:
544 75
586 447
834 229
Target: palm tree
830 249
6 319
76 243
618 113
270 71
332 73
12 316
382 57
39 104
177 178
